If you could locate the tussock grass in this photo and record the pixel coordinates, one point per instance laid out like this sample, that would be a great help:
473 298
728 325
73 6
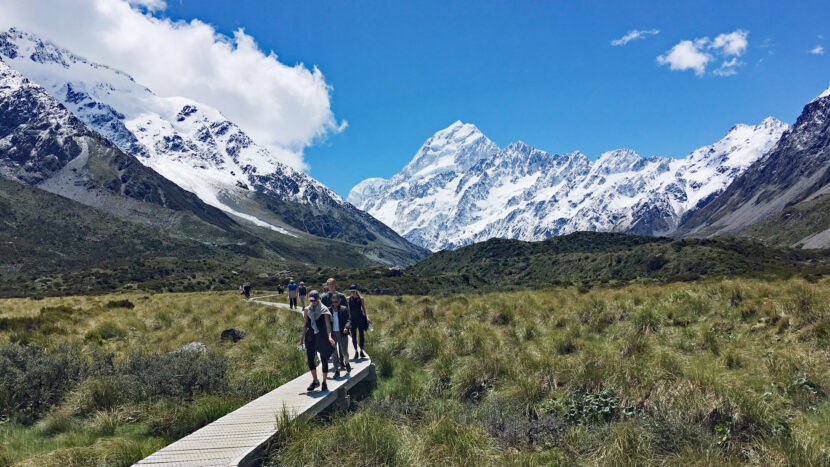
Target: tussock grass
726 372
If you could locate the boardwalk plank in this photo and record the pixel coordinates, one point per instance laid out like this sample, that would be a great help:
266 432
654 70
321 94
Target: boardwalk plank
238 437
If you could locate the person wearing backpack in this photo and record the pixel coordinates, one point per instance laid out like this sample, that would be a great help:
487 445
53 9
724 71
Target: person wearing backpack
340 326
360 320
301 292
292 294
317 338
246 289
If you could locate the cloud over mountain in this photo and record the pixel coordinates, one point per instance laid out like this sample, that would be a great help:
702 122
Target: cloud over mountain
285 108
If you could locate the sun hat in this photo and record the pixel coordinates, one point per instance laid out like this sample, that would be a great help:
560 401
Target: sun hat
353 287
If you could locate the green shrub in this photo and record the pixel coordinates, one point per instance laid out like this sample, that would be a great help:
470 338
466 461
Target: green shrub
33 380
120 304
178 374
513 425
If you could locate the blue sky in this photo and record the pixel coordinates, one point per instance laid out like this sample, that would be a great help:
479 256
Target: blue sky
541 72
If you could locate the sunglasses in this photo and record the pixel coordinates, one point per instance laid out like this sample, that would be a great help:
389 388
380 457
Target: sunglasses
312 299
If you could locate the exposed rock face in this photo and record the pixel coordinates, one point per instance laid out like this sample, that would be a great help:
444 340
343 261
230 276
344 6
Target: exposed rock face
783 196
201 151
43 144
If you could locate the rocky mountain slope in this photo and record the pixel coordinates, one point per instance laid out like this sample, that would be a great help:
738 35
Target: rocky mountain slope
78 215
197 148
783 197
45 145
461 188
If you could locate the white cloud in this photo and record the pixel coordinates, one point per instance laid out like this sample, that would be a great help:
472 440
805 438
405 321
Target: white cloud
733 43
698 54
727 68
687 55
282 107
817 50
635 34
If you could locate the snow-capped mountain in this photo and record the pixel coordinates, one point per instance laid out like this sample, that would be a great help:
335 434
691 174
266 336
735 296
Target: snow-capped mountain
460 188
783 197
44 145
195 146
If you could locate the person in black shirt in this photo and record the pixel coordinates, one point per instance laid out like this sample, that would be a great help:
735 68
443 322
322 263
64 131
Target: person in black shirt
317 338
359 318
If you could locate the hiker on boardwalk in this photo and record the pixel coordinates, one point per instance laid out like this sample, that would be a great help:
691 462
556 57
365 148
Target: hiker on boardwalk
360 320
340 326
301 291
317 338
331 289
246 289
292 294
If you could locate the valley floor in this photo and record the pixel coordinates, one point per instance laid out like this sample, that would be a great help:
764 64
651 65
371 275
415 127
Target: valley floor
711 372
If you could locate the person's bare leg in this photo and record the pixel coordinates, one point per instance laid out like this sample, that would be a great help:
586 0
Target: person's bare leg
314 375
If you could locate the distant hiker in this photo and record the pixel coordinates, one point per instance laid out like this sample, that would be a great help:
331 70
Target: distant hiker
317 338
360 320
301 291
279 289
246 289
340 325
292 294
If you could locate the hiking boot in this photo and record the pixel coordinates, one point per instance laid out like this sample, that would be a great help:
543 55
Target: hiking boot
336 374
324 387
313 385
362 355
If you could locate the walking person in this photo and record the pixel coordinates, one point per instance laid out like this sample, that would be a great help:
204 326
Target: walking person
246 289
317 338
331 289
292 294
301 291
359 318
340 325
279 289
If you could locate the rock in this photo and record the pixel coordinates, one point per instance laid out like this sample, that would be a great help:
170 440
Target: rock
233 334
195 347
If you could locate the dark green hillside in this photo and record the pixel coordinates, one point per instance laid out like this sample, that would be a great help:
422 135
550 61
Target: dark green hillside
597 258
51 245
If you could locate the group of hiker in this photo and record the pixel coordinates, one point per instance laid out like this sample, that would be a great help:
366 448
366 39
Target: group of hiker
329 320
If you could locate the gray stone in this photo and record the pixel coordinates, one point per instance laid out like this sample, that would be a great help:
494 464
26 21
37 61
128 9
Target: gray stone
195 347
233 334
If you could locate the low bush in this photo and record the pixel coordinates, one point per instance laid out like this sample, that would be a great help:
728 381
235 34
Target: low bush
120 304
33 380
178 374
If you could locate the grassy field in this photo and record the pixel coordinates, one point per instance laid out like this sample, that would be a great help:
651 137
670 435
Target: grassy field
703 373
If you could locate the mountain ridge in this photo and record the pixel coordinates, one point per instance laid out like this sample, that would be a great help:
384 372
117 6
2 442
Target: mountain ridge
783 188
525 193
200 150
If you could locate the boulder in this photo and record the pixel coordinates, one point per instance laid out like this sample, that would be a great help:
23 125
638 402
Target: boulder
233 334
195 347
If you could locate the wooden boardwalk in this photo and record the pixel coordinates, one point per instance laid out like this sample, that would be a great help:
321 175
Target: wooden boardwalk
239 438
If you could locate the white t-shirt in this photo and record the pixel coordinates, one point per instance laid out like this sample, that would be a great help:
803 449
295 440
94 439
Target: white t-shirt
335 321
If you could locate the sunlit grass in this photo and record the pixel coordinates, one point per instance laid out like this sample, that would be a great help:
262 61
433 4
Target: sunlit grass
722 372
